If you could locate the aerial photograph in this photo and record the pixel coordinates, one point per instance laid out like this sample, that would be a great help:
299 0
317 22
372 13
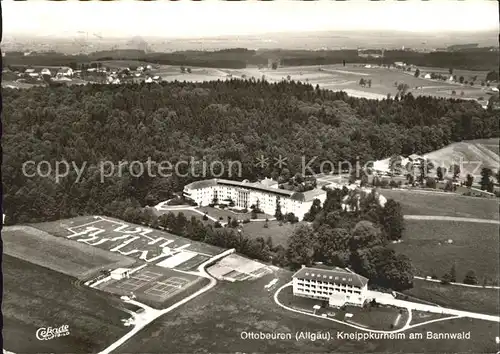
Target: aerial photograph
250 177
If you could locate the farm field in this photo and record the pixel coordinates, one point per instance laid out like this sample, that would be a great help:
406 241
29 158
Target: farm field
470 155
65 256
337 78
475 247
457 297
216 320
279 234
429 203
52 300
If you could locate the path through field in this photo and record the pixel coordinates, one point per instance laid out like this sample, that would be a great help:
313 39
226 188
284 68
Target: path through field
450 218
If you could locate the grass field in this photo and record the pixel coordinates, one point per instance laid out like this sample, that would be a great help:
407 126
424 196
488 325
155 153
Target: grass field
421 317
475 247
422 203
35 297
461 298
279 234
65 256
214 322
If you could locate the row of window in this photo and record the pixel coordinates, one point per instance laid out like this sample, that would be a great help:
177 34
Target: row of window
329 284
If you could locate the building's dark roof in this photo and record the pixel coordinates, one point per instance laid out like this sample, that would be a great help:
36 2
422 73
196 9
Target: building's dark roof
337 275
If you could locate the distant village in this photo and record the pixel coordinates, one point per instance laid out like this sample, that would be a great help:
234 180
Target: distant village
95 73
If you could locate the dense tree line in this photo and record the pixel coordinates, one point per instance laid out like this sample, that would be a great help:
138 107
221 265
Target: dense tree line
357 239
237 58
224 121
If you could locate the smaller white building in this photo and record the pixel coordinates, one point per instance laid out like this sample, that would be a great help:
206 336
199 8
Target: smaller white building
45 71
336 285
427 76
65 72
120 273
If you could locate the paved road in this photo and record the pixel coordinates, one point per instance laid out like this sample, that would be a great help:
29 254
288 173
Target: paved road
144 320
450 218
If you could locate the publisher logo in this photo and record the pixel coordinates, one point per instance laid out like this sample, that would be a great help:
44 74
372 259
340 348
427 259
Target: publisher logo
48 333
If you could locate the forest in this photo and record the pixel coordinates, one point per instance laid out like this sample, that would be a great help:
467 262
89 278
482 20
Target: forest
238 58
213 121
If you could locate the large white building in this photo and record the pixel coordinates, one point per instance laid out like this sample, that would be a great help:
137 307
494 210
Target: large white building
265 194
337 286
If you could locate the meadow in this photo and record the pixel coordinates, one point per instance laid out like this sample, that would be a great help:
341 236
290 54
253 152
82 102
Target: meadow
65 256
53 299
457 297
441 204
475 247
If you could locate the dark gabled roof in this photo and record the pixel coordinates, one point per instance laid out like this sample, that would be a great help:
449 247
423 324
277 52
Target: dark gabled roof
336 275
255 186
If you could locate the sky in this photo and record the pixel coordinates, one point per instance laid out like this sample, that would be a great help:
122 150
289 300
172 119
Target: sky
209 18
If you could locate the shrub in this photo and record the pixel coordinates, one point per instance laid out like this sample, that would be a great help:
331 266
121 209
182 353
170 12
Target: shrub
217 225
205 217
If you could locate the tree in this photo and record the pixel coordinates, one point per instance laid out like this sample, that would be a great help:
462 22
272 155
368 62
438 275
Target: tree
455 169
313 211
403 89
492 76
430 183
183 69
450 71
462 93
486 182
188 70
461 79
370 83
453 92
439 173
417 73
392 219
470 278
446 279
300 250
469 181
366 235
453 274
362 82
449 187
278 214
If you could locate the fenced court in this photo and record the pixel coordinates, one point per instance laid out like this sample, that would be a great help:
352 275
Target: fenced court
138 281
163 289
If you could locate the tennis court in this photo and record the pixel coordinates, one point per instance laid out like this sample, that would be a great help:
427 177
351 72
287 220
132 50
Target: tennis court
138 281
163 289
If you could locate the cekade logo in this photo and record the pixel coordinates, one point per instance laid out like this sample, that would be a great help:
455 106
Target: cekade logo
48 333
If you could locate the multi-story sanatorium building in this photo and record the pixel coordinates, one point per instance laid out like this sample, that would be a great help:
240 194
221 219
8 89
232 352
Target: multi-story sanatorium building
337 286
265 194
